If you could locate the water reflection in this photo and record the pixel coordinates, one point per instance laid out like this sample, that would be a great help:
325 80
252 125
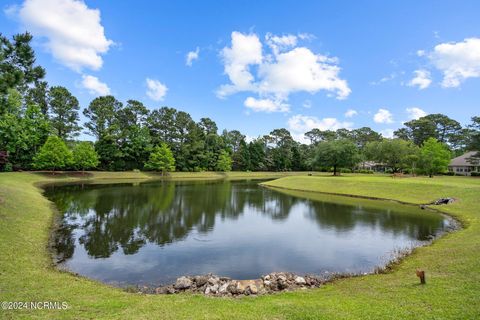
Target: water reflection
214 224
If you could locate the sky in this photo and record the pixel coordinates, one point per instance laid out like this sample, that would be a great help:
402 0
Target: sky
256 66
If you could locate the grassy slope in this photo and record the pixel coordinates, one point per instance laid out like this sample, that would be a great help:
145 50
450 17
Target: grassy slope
452 263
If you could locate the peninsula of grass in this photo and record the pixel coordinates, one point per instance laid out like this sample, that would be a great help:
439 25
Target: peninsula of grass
452 263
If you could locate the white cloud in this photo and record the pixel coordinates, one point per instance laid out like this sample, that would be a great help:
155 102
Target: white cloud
266 105
457 61
387 133
191 56
390 77
280 43
301 70
420 53
350 113
415 113
156 90
422 79
299 124
95 86
286 70
246 50
383 116
73 32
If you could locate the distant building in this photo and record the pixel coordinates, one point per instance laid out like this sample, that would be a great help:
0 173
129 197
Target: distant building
465 164
372 165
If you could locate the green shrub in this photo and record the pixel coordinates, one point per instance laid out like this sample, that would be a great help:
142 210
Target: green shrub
475 174
365 171
8 167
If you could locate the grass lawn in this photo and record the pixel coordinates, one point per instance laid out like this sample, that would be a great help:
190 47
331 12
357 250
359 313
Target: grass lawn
452 263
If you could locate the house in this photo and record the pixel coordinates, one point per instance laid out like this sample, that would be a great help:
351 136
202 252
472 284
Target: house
465 164
372 165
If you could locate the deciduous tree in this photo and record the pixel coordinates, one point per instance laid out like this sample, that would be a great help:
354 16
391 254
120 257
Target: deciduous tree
54 154
337 154
434 157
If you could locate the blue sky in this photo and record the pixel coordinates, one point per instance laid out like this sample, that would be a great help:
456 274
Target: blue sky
258 65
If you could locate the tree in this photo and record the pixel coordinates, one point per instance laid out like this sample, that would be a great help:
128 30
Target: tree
474 141
17 66
337 154
84 156
434 157
437 126
362 136
281 151
393 153
161 159
316 135
104 124
241 157
224 162
256 152
133 136
101 113
63 111
54 154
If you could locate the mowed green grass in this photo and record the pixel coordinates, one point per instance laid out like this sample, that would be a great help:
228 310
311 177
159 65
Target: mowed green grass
452 263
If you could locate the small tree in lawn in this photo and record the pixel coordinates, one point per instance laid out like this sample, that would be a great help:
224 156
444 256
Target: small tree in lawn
224 162
434 157
161 159
54 154
84 156
336 154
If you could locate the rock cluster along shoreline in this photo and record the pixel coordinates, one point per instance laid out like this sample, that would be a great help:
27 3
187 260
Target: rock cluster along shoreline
212 285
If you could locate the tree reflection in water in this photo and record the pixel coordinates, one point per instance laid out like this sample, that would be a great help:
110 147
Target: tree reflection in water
108 218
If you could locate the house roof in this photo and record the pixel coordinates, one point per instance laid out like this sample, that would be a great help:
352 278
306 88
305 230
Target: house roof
463 160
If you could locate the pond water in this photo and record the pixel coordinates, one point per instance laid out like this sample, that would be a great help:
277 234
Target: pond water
151 233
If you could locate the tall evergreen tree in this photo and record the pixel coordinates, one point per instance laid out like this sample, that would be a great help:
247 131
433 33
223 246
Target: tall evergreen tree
63 111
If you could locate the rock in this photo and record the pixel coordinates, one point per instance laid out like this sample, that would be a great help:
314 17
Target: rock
252 289
249 286
223 288
443 201
232 287
212 289
281 277
183 283
165 290
200 280
267 277
213 280
300 281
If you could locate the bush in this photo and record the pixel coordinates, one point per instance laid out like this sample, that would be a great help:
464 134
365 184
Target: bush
8 167
345 170
475 174
365 171
449 173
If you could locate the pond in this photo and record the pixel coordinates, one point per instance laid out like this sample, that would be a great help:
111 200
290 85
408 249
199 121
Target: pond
151 233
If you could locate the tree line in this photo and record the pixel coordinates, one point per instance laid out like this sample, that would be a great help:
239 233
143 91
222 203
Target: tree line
40 125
